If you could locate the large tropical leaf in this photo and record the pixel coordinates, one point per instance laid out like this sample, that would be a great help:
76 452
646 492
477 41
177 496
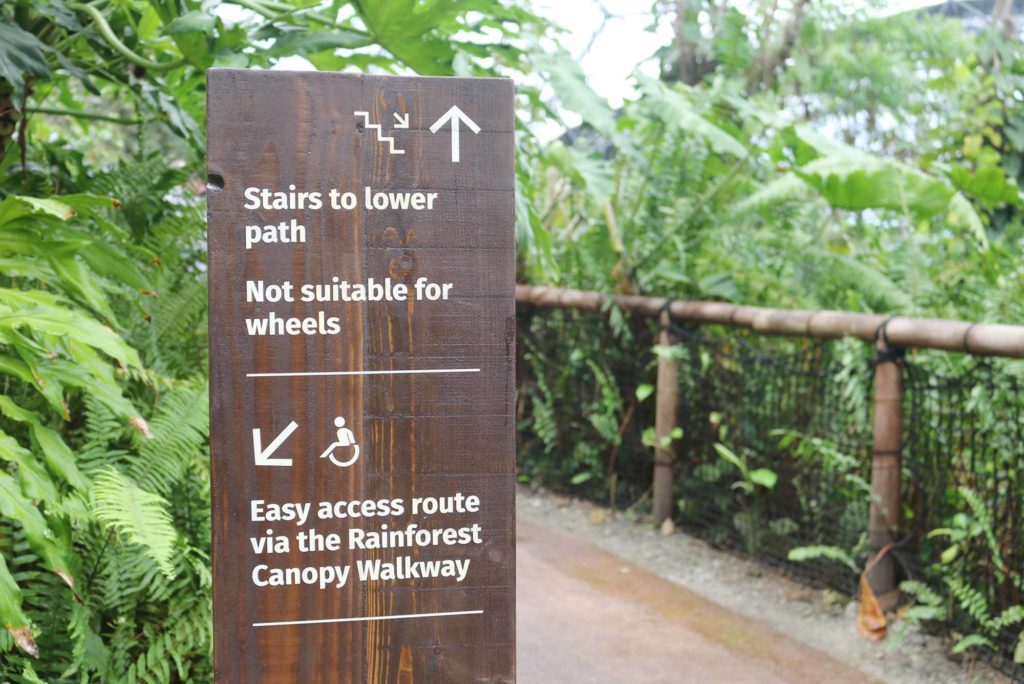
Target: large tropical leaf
301 42
60 460
35 481
989 184
21 53
14 505
64 322
14 207
862 182
574 94
676 110
11 615
420 34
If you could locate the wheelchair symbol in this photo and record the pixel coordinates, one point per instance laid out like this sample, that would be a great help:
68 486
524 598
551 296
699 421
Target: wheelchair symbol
346 440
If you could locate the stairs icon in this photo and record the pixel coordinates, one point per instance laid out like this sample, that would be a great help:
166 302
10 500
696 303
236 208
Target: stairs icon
380 133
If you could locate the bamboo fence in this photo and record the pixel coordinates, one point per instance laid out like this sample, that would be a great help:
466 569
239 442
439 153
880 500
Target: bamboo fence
890 334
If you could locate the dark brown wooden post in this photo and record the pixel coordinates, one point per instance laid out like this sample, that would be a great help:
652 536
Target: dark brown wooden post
664 422
886 504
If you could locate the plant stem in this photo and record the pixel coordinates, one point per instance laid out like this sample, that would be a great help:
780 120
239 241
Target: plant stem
121 48
276 11
92 116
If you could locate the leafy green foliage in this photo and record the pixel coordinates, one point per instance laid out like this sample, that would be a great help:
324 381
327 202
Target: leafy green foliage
575 95
104 463
762 477
792 155
422 35
676 110
971 532
580 410
896 198
21 55
817 158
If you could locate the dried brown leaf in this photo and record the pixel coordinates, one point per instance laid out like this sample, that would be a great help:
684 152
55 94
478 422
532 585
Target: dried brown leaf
23 637
871 621
140 424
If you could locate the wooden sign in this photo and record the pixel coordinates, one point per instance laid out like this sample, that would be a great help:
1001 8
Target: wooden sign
362 327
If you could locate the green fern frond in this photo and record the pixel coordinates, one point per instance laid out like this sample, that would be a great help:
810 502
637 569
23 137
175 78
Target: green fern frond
1011 616
922 592
604 412
846 273
136 514
970 641
166 658
970 599
180 430
176 310
833 553
984 518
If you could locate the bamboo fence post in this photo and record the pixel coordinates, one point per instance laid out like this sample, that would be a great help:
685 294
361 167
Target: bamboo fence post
886 505
666 415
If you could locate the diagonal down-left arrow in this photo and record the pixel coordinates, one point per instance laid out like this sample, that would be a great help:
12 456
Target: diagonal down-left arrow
263 455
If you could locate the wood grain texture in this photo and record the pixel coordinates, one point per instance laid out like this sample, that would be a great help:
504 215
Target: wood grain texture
422 435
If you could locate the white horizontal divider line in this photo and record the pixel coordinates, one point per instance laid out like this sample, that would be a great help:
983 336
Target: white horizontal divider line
409 371
368 618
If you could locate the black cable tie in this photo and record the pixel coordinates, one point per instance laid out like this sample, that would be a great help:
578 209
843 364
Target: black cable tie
883 332
666 308
887 353
666 326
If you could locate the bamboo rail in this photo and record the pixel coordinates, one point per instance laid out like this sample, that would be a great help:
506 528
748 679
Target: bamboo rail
901 332
890 335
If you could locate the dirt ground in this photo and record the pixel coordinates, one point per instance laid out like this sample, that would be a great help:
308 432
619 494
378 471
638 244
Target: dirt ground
812 621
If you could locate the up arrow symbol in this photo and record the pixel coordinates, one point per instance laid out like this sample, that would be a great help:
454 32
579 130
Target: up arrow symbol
456 116
263 456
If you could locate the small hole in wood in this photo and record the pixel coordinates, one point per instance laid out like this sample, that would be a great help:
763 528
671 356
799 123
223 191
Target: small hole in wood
214 182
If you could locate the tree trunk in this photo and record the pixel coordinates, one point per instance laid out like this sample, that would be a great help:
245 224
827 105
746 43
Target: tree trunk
772 61
691 65
1002 17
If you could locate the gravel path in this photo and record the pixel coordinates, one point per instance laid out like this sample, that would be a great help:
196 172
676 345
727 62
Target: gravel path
821 619
588 616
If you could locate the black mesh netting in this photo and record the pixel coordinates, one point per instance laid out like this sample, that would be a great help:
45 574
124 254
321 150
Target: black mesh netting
581 423
775 452
774 458
964 457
